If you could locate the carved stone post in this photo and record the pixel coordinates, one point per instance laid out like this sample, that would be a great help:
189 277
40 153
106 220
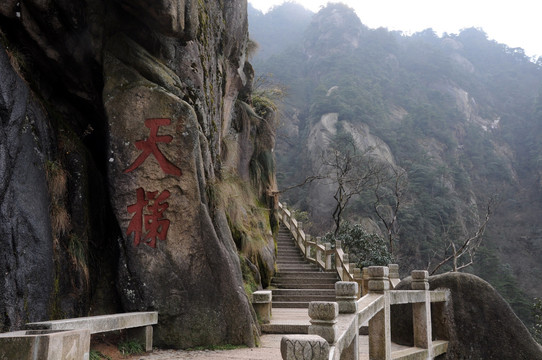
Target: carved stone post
421 312
304 347
324 320
262 302
284 216
379 325
346 295
328 256
365 281
298 234
394 275
359 279
307 246
318 251
338 267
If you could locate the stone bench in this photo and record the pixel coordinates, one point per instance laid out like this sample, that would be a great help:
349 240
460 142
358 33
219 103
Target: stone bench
138 324
45 345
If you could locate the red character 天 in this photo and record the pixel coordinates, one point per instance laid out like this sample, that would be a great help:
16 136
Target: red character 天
149 146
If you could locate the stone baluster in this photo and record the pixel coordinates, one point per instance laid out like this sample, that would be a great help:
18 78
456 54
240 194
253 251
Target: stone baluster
284 215
359 279
346 294
421 312
328 256
379 325
307 246
338 266
365 281
298 234
318 251
394 275
304 347
324 320
262 302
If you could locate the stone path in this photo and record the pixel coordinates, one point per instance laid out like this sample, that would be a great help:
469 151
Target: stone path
269 350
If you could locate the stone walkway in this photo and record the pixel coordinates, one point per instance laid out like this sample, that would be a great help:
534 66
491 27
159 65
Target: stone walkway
269 350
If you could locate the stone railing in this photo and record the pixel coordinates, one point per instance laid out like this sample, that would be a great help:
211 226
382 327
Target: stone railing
334 329
328 258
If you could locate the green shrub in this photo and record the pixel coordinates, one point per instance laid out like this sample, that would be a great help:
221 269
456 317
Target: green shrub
131 347
363 248
96 355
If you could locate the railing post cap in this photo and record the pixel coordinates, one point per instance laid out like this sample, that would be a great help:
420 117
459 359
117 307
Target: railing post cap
378 271
299 225
420 274
323 310
262 296
328 246
346 288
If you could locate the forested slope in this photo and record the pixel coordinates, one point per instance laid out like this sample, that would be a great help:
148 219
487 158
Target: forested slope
460 113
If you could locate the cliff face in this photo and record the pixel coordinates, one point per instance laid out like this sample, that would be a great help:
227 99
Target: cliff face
138 110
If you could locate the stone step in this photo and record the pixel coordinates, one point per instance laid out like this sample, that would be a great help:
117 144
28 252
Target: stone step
292 261
303 292
306 275
298 269
290 304
290 266
308 285
285 328
293 251
301 298
302 283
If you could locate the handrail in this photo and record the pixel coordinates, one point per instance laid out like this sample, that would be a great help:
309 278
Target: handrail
317 253
322 254
338 323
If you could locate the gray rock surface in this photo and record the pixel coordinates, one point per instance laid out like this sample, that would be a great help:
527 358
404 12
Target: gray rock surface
479 323
26 244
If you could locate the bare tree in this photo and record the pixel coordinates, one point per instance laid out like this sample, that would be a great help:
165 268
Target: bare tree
350 169
390 184
463 252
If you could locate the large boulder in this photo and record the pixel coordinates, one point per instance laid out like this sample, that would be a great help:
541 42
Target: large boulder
479 323
26 255
177 253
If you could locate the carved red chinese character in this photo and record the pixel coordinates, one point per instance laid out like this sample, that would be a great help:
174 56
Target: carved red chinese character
149 146
148 220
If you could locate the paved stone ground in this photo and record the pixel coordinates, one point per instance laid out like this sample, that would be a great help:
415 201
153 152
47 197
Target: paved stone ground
269 350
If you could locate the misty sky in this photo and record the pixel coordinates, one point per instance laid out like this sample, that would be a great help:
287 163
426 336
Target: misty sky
514 23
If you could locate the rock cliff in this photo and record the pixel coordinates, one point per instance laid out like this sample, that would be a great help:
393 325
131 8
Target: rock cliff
129 124
479 323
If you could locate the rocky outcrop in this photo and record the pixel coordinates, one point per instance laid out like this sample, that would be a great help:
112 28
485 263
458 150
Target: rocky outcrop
146 99
26 243
479 323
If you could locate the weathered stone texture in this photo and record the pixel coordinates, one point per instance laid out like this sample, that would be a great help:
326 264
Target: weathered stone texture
26 245
143 95
478 322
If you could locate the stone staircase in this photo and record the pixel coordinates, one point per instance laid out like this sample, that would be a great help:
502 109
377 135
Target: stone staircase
298 282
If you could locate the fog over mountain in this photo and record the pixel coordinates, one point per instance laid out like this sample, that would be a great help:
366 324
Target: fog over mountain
461 114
